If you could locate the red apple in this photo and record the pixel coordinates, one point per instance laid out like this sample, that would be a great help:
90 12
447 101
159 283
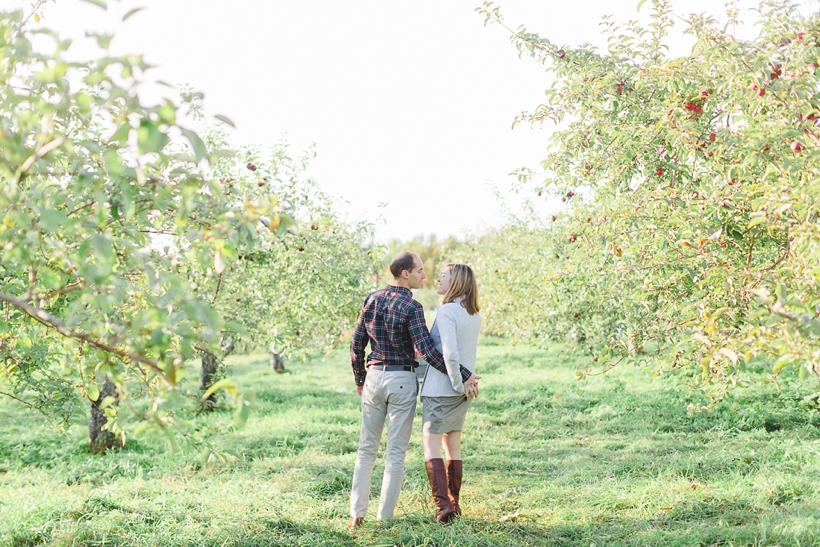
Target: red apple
619 89
697 109
561 53
712 137
659 171
796 146
553 218
761 92
689 106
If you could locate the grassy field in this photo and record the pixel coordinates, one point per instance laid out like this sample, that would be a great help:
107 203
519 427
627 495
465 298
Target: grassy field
614 460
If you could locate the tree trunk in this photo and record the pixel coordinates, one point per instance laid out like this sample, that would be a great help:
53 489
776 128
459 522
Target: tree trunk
277 363
227 346
98 440
208 374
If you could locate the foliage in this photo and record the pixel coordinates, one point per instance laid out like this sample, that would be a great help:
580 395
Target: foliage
691 224
119 224
302 287
434 254
611 461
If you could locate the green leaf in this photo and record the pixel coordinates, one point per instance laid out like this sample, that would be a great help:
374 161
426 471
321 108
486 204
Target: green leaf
757 220
640 4
236 327
782 362
199 147
93 391
128 15
99 3
240 415
224 383
103 40
52 220
103 254
149 138
225 119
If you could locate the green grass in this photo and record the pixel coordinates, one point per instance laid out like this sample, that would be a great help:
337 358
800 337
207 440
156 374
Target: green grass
613 460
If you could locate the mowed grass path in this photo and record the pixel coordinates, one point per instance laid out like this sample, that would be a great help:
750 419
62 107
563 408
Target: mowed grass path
613 460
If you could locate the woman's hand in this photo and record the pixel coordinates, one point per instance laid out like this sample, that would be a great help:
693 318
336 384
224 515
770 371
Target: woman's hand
471 386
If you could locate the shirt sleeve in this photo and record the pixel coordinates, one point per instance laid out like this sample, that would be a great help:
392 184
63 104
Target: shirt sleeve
424 344
448 330
357 345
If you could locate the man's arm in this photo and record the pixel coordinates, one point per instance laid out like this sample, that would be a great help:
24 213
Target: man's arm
357 345
424 343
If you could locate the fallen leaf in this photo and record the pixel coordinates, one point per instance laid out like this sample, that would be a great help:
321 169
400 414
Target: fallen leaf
511 516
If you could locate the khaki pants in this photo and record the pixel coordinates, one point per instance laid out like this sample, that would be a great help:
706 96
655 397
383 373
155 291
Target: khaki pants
389 396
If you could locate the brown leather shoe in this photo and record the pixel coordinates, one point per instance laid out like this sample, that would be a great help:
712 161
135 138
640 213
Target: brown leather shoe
355 522
437 474
454 469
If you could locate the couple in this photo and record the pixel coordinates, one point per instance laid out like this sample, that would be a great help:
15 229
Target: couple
393 323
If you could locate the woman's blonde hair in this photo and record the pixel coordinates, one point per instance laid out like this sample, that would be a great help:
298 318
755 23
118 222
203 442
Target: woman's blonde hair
462 283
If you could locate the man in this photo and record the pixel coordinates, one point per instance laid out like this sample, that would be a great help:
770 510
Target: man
393 323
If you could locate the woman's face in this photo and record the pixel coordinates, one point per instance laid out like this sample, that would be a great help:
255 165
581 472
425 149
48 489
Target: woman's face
444 282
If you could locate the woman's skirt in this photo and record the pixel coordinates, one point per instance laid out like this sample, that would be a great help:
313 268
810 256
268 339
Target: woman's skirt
444 414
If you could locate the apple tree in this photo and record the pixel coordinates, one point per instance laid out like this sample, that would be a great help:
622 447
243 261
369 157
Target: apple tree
301 286
691 219
95 187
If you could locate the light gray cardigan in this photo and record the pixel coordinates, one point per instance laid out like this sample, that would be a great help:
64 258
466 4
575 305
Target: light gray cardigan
455 333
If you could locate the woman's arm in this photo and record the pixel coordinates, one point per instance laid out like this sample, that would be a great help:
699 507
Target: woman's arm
447 323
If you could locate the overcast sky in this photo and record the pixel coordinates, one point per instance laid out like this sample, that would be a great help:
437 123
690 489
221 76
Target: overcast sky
410 103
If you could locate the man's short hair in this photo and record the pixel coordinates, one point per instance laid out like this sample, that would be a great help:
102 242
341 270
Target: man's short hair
402 261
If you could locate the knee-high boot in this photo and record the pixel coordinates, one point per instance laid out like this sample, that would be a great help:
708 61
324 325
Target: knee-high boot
454 470
437 474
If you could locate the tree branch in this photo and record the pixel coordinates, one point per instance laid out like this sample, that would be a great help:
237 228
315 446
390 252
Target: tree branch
49 320
38 409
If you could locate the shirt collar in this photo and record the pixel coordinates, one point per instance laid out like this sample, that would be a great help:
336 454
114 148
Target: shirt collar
399 289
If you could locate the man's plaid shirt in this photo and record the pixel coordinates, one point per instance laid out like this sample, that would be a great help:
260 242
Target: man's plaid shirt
393 323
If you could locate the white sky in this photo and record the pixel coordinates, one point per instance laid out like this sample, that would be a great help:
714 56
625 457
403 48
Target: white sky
410 103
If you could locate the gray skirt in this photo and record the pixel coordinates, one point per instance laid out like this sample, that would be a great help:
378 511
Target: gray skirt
444 414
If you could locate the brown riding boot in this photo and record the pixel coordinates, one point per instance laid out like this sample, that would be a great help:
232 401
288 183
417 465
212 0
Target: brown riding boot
437 474
454 483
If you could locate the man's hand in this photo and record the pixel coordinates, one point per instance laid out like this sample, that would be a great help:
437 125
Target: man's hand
359 390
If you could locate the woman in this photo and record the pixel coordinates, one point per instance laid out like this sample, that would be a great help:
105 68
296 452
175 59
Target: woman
445 399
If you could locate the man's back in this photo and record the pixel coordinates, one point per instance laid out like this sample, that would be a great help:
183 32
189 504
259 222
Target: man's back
386 321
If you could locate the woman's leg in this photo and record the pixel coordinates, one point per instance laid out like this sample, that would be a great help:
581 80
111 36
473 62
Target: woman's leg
452 448
452 445
431 445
